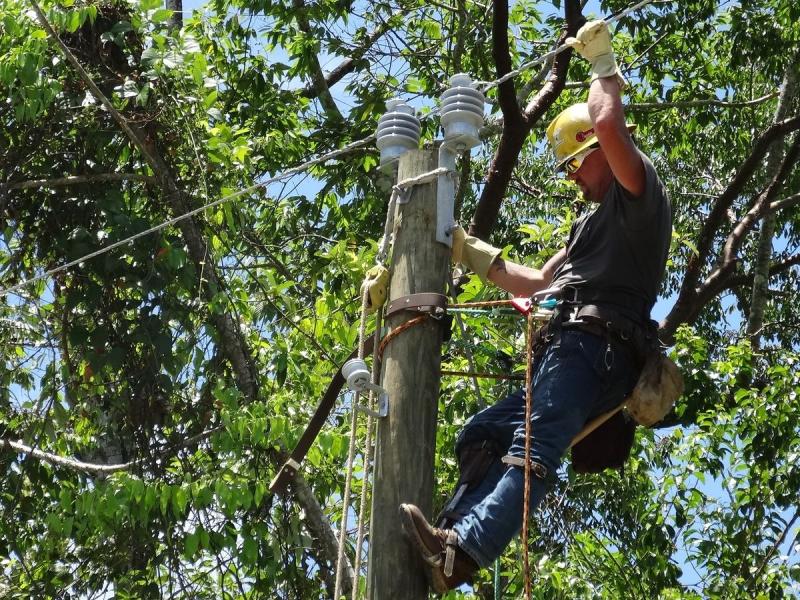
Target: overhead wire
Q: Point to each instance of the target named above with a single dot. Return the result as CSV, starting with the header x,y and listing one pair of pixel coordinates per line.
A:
x,y
547,56
292,171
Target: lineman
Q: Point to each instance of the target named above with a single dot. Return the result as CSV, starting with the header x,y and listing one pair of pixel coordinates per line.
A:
x,y
589,358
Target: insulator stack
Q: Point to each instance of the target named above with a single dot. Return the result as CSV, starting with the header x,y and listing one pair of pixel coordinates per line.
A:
x,y
462,113
398,131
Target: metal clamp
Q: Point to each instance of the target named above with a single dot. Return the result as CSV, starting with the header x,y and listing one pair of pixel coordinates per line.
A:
x,y
358,380
404,194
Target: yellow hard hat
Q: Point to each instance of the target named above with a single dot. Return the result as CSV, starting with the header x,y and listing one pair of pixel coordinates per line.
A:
x,y
572,132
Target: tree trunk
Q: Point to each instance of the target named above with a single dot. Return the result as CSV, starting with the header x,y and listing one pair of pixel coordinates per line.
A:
x,y
760,294
176,6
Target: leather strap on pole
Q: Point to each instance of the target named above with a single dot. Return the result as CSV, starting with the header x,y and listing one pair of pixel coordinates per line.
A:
x,y
434,304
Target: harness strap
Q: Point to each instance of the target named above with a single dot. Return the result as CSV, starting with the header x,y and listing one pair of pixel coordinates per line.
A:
x,y
537,469
433,304
583,296
450,552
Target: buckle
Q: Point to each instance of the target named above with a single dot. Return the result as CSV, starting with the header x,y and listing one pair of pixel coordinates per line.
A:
x,y
569,293
548,294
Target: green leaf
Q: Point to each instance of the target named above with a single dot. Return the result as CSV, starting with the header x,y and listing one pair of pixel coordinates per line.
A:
x,y
250,550
190,545
161,15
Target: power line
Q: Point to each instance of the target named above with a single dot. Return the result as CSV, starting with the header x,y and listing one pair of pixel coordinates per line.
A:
x,y
298,169
293,171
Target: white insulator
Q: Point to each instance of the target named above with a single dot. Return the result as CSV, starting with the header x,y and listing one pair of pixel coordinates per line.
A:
x,y
398,131
356,374
462,113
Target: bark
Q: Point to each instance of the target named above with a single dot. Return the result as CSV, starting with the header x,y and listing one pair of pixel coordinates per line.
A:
x,y
517,124
760,294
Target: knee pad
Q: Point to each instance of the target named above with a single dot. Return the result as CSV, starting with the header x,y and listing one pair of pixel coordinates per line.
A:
x,y
474,460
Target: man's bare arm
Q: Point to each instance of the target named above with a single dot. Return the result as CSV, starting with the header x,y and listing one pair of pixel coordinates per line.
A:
x,y
520,280
608,117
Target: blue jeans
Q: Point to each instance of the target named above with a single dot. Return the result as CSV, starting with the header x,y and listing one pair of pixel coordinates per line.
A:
x,y
577,378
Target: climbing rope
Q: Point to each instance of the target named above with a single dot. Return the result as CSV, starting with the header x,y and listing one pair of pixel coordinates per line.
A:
x,y
369,460
351,454
526,500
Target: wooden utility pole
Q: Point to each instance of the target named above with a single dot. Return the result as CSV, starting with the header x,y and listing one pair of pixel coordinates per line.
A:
x,y
411,366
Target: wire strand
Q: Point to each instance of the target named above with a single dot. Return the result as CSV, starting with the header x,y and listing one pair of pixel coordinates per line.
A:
x,y
294,170
547,56
248,190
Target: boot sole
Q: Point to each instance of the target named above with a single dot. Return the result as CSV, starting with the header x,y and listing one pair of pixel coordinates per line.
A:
x,y
433,574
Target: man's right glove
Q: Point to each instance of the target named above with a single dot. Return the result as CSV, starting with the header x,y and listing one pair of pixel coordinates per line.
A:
x,y
593,42
473,253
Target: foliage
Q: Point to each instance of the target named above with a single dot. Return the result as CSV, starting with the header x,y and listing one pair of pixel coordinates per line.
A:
x,y
124,359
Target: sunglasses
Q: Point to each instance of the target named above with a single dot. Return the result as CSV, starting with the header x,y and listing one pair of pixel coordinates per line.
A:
x,y
574,163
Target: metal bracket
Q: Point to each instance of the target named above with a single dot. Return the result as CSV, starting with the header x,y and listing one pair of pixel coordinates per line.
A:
x,y
404,195
358,377
383,404
445,197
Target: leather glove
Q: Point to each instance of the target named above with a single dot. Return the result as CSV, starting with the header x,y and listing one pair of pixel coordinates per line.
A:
x,y
377,283
473,253
593,42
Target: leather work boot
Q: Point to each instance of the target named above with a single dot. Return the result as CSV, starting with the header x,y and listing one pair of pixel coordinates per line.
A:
x,y
448,566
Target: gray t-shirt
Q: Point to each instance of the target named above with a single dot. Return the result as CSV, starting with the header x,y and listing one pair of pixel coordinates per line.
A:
x,y
621,246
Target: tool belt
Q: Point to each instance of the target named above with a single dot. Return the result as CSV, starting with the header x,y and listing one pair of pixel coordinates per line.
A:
x,y
610,444
659,383
638,339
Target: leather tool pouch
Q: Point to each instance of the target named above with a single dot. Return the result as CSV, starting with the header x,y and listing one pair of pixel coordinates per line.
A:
x,y
607,447
660,384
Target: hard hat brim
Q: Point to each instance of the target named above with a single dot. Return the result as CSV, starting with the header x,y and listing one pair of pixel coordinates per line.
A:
x,y
585,145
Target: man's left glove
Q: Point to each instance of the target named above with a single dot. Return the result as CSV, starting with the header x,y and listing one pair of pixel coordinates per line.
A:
x,y
377,283
593,42
473,253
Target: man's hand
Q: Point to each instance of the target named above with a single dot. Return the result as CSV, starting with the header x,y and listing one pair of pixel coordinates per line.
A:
x,y
473,253
377,282
593,42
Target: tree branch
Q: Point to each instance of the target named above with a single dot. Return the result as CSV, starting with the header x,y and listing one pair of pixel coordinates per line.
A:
x,y
77,465
348,65
787,202
687,305
717,280
513,137
650,106
320,85
502,59
761,205
76,180
774,269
